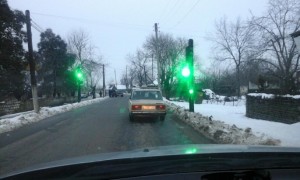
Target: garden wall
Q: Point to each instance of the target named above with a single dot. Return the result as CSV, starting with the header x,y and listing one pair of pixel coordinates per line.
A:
x,y
285,109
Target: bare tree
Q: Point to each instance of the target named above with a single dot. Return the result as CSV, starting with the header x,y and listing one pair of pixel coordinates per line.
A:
x,y
233,43
170,51
140,67
278,48
129,78
79,44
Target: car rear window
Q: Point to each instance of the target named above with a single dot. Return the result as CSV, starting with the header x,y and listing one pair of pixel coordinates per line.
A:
x,y
154,95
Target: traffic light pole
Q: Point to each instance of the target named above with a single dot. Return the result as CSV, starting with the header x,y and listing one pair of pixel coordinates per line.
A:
x,y
79,78
79,92
190,60
104,93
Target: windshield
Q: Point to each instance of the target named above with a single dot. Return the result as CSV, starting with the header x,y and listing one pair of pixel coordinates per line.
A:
x,y
151,95
89,77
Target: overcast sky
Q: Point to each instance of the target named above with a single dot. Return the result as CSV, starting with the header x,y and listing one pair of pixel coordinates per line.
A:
x,y
119,27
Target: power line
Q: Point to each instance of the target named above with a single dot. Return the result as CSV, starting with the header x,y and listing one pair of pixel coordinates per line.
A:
x,y
36,24
177,8
170,11
191,9
56,16
36,28
164,9
136,26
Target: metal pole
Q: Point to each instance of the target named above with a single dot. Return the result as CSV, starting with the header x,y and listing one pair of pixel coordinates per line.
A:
x,y
104,93
157,55
190,59
152,69
126,79
79,91
115,78
145,75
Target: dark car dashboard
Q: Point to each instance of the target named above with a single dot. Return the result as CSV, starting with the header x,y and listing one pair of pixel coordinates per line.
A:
x,y
254,165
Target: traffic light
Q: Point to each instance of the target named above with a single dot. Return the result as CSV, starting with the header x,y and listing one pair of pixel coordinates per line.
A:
x,y
189,55
185,72
79,78
79,75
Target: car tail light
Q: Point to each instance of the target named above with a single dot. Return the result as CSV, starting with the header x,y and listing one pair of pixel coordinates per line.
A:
x,y
136,107
161,107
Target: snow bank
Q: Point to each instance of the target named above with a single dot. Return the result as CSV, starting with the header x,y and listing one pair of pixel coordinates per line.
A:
x,y
9,124
292,96
288,134
263,95
271,96
219,131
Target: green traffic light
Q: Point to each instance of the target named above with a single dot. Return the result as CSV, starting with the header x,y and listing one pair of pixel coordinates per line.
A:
x,y
185,72
79,75
191,91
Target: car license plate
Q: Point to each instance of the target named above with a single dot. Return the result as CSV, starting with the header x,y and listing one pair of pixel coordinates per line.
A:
x,y
148,107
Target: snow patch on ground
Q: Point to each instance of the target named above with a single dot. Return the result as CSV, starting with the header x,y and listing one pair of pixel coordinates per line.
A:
x,y
271,96
263,95
226,124
21,119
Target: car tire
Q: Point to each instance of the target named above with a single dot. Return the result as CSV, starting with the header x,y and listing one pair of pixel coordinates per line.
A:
x,y
162,118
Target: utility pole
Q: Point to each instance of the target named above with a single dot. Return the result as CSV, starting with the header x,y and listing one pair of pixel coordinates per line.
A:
x,y
115,78
126,79
152,69
31,64
103,81
157,55
145,75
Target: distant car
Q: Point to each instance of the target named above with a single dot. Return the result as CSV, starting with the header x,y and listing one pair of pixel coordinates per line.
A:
x,y
230,98
112,93
84,95
120,93
146,102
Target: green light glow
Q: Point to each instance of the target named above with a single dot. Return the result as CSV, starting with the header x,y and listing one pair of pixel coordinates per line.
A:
x,y
191,91
190,151
79,75
122,110
185,72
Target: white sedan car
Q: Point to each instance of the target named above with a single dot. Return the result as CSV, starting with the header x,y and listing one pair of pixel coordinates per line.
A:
x,y
146,103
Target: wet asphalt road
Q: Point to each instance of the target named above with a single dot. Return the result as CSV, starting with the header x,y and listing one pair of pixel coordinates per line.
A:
x,y
97,128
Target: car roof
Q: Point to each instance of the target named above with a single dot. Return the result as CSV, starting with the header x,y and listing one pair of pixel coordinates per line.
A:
x,y
145,90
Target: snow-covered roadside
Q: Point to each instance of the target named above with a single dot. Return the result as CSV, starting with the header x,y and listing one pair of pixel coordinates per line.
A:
x,y
9,124
226,124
